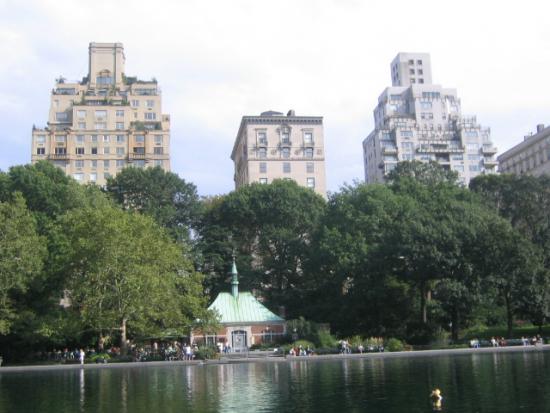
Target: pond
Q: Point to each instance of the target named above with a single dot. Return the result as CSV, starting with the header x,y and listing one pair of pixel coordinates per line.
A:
x,y
488,382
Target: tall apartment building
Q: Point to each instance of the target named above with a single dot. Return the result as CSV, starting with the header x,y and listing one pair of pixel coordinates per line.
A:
x,y
274,146
105,122
418,120
532,156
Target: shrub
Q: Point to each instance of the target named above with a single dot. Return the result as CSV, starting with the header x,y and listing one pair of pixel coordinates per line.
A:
x,y
100,358
394,344
325,340
207,353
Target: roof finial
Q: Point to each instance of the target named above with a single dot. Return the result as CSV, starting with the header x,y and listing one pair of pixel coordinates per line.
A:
x,y
234,279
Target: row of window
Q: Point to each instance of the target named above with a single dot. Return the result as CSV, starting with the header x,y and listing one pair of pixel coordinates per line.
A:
x,y
285,138
310,182
104,151
119,163
310,167
100,138
285,153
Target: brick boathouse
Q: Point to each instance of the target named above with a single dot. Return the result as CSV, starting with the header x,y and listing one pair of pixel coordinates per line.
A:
x,y
244,320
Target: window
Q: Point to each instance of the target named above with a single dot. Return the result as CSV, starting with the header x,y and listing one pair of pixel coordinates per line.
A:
x,y
419,62
411,71
474,157
79,138
40,151
158,139
104,80
310,167
100,113
308,152
310,183
94,138
81,125
106,164
262,152
106,150
139,150
426,105
94,164
431,95
407,146
100,125
150,116
263,167
413,80
426,115
263,180
411,62
140,163
285,138
80,150
395,97
474,168
135,103
120,151
420,72
407,133
158,162
262,138
81,114
119,113
407,157
158,150
458,168
60,138
105,138
79,164
107,175
457,157
308,137
120,139
120,163
40,139
286,167
61,116
140,138
79,176
285,152
119,125
149,103
470,134
60,151
93,177
472,147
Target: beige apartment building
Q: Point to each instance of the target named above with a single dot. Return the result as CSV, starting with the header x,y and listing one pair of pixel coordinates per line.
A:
x,y
416,119
532,156
274,146
105,122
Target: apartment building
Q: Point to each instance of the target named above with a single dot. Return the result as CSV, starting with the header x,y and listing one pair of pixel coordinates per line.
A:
x,y
105,122
532,156
416,119
274,146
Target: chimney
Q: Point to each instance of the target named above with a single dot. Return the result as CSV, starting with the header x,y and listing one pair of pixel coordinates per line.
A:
x,y
540,127
291,113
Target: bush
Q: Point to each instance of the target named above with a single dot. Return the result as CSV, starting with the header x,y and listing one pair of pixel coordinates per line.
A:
x,y
207,353
100,358
325,340
394,344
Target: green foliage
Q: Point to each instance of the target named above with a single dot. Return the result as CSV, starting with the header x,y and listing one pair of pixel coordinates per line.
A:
x,y
207,353
394,344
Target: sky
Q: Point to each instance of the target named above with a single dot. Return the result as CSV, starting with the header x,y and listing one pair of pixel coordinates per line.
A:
x,y
219,60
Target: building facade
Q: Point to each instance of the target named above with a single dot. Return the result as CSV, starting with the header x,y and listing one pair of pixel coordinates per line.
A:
x,y
532,156
274,146
105,122
418,120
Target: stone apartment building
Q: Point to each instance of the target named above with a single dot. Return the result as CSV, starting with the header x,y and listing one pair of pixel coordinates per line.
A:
x,y
416,119
532,156
105,122
274,146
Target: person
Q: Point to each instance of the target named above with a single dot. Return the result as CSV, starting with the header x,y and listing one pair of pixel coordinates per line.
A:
x,y
81,356
360,348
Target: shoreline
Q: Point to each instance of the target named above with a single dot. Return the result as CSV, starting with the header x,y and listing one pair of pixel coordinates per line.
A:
x,y
287,359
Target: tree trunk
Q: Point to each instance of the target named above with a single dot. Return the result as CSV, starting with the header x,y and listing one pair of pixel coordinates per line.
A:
x,y
509,315
123,342
425,297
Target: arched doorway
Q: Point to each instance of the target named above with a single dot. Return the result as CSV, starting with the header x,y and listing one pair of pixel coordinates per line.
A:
x,y
238,341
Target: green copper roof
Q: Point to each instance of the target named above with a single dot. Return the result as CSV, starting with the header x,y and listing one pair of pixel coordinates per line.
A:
x,y
244,308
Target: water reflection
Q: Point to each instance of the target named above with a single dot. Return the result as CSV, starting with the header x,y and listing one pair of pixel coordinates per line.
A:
x,y
478,382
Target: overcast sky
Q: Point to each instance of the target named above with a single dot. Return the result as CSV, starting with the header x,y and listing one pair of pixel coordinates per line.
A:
x,y
219,60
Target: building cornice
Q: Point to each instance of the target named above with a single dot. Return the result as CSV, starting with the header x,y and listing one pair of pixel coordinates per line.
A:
x,y
521,147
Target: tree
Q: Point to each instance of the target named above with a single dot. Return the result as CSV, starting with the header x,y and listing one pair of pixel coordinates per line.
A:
x,y
125,274
169,200
21,256
269,227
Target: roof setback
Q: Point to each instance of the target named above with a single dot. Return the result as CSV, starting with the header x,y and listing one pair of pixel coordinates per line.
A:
x,y
244,308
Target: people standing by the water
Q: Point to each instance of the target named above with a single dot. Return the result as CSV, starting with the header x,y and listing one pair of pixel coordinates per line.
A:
x,y
81,356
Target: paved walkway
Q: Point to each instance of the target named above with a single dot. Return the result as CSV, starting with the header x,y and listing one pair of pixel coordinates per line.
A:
x,y
418,353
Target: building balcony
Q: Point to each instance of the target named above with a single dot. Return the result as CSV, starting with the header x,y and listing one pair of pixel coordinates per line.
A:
x,y
58,156
490,163
133,156
389,151
489,149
